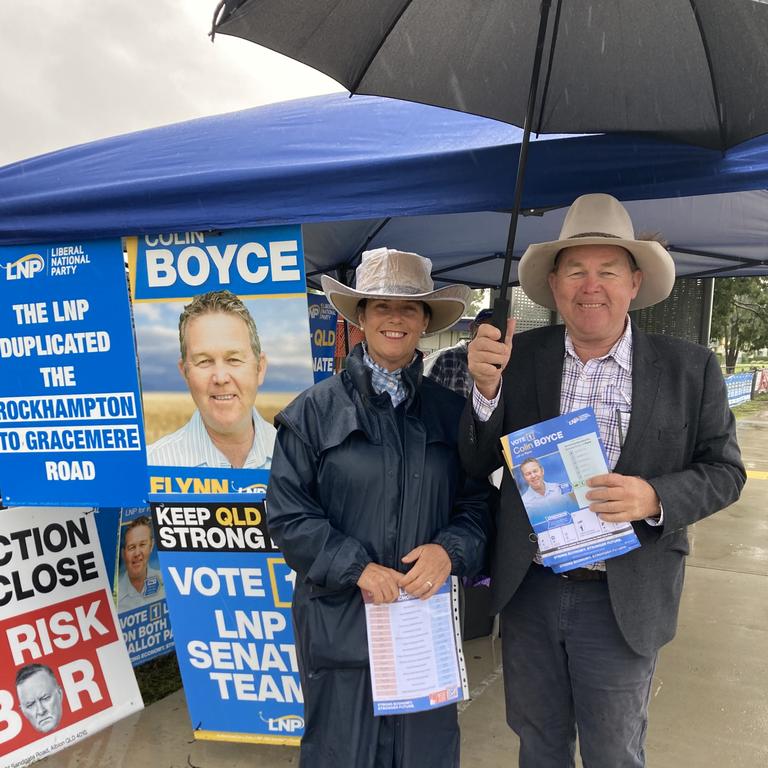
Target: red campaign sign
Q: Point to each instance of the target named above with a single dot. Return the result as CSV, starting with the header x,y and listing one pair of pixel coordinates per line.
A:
x,y
62,681
761,385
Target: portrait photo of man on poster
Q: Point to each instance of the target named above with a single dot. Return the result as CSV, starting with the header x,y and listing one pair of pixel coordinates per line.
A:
x,y
140,581
223,365
222,332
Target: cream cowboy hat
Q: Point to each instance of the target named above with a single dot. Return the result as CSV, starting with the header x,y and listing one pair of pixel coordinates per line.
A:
x,y
598,220
385,273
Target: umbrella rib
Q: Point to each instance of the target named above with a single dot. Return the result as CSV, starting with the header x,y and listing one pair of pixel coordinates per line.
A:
x,y
552,45
376,50
719,112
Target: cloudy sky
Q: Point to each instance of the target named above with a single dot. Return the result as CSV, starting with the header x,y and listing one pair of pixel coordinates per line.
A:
x,y
74,71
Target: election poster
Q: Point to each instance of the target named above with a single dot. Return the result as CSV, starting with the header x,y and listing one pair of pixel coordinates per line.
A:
x,y
551,463
229,591
739,387
322,328
64,669
141,603
71,428
223,339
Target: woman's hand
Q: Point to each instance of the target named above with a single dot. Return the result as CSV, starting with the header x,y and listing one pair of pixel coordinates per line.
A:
x,y
431,569
380,582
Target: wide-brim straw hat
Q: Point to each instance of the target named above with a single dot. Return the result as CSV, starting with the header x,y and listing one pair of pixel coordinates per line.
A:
x,y
385,273
598,219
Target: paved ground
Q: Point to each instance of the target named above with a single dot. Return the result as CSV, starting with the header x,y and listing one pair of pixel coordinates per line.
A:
x,y
710,693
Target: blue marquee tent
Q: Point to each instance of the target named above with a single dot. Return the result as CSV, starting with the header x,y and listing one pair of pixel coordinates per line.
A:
x,y
367,171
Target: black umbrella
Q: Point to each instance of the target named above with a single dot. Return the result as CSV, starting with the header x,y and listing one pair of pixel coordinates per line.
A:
x,y
695,70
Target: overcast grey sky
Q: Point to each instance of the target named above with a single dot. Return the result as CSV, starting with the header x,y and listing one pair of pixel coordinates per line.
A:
x,y
74,71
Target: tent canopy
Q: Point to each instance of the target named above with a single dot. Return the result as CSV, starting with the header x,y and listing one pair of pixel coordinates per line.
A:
x,y
367,171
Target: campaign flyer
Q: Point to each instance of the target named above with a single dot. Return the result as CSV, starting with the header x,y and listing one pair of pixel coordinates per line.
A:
x,y
71,429
229,591
551,463
415,652
64,669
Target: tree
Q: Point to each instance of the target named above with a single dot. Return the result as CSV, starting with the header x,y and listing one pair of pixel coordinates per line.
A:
x,y
740,316
478,301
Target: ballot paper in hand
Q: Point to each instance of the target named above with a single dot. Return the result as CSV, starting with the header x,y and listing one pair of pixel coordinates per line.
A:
x,y
551,463
414,648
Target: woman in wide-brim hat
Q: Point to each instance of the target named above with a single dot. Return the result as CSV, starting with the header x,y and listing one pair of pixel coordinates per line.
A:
x,y
367,497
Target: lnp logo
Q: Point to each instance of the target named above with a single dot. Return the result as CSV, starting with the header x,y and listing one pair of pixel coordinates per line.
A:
x,y
25,267
283,724
314,311
259,489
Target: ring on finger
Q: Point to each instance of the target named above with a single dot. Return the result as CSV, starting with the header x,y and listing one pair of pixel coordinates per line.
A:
x,y
429,584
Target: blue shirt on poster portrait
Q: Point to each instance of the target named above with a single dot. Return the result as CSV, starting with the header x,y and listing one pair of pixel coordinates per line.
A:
x,y
191,446
531,498
128,597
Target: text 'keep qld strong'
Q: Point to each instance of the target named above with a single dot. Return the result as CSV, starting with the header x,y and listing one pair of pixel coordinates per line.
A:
x,y
266,261
212,527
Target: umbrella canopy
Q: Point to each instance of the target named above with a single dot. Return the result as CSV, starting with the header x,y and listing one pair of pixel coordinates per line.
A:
x,y
695,71
357,175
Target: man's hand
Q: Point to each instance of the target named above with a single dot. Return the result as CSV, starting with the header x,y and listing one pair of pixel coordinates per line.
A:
x,y
488,357
621,498
380,583
431,569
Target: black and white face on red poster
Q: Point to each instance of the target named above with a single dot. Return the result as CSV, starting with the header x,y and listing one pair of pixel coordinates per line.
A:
x,y
64,670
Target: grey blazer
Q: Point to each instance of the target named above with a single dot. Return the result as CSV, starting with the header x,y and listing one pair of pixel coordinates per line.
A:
x,y
681,439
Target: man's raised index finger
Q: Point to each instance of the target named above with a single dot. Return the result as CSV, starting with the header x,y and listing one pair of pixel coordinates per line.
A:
x,y
511,323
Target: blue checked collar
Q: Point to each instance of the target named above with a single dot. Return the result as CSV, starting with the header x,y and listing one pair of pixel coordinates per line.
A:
x,y
383,380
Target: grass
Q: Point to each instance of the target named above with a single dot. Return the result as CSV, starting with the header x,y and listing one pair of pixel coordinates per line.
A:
x,y
158,678
752,407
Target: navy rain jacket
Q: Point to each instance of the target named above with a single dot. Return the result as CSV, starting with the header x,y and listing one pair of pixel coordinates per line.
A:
x,y
355,481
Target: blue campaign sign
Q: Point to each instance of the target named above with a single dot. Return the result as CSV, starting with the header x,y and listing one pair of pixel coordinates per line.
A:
x,y
170,482
322,329
141,604
229,592
739,386
223,347
268,261
71,430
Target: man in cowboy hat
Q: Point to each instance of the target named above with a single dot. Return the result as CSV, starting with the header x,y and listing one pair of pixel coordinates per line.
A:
x,y
579,648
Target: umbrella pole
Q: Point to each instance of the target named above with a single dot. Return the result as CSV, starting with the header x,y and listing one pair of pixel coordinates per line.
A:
x,y
501,304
